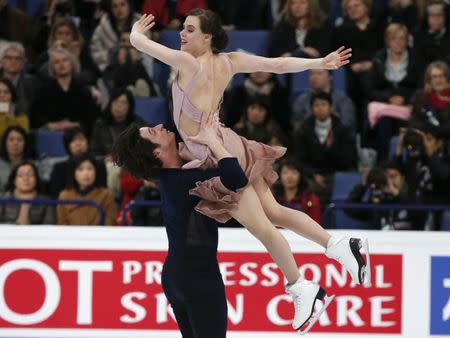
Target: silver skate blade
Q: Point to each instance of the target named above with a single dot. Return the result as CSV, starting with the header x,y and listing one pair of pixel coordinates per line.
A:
x,y
326,302
367,277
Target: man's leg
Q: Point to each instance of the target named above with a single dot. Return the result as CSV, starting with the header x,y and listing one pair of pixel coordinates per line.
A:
x,y
183,320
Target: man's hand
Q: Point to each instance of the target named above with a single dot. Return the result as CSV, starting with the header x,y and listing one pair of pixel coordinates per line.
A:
x,y
208,133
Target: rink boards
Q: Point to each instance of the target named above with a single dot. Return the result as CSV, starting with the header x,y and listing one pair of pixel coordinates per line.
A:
x,y
106,282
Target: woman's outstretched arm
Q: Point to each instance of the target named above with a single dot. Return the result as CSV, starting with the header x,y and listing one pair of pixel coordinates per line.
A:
x,y
174,58
247,63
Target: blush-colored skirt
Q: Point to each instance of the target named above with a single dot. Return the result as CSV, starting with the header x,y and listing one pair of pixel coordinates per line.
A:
x,y
256,160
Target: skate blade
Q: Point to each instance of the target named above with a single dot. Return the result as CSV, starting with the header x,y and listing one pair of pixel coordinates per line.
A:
x,y
326,302
367,275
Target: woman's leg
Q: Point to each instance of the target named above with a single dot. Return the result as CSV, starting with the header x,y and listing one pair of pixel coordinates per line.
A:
x,y
292,219
250,213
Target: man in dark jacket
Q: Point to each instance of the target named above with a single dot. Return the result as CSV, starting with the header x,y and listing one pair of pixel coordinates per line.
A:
x,y
191,277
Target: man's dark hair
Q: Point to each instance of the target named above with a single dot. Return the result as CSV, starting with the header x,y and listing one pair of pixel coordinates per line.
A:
x,y
135,154
320,96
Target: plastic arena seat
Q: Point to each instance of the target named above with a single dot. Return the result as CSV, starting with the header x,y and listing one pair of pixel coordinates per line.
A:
x,y
446,221
49,143
343,184
31,7
153,110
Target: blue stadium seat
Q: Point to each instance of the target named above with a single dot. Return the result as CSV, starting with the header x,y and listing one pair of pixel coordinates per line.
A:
x,y
49,143
343,184
446,221
339,80
392,146
152,109
32,7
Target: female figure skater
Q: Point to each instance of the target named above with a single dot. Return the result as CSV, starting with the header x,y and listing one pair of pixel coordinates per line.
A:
x,y
203,75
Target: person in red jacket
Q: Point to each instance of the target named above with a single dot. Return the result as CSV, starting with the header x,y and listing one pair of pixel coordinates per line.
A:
x,y
294,191
170,14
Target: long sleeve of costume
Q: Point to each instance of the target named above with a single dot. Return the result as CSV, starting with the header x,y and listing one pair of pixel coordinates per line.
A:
x,y
231,173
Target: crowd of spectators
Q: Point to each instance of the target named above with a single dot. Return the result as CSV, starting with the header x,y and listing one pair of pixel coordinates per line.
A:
x,y
69,67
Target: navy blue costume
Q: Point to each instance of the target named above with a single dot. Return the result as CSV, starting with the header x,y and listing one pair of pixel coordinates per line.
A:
x,y
191,277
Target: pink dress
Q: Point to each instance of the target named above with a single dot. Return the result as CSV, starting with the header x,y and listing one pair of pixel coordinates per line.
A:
x,y
255,158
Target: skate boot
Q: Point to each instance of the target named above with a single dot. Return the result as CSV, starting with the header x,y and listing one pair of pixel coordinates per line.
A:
x,y
347,252
304,295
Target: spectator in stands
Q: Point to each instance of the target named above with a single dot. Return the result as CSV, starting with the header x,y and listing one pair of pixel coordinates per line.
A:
x,y
320,80
364,34
83,184
170,14
431,106
55,10
433,38
9,114
118,115
65,34
63,102
405,12
396,73
324,145
76,144
12,62
425,157
14,148
24,183
129,68
15,26
258,84
384,185
303,31
119,18
294,192
257,123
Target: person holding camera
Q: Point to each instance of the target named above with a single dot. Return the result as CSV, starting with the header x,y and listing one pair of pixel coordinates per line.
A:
x,y
383,185
426,160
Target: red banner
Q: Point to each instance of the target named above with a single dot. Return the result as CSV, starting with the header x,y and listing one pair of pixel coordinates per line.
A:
x,y
122,290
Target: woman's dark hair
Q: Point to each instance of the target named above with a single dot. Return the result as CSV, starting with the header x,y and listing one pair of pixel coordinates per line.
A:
x,y
74,163
135,154
131,117
26,149
113,20
10,185
261,101
210,23
69,136
292,163
11,89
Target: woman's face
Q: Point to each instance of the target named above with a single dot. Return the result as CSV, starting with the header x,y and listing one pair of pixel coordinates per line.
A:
x,y
61,65
79,145
438,81
398,42
120,9
25,181
120,107
15,144
436,20
5,94
85,174
356,10
299,8
64,34
193,40
256,114
290,177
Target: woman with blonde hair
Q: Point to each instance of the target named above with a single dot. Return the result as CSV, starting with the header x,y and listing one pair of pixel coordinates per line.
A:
x,y
303,31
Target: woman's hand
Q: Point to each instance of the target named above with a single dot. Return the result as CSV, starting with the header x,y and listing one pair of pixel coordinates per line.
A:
x,y
208,133
144,24
338,58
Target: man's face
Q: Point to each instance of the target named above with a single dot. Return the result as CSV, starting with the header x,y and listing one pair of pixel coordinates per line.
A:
x,y
321,109
12,61
319,79
165,140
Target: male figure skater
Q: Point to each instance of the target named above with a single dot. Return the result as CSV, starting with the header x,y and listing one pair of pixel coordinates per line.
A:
x,y
191,277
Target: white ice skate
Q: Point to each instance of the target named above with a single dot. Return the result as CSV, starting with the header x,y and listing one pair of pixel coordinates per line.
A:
x,y
304,294
347,252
